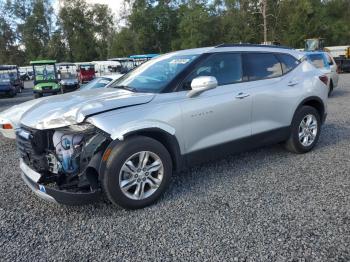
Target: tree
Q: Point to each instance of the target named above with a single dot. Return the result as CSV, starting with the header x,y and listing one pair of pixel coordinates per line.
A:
x,y
194,28
102,20
36,29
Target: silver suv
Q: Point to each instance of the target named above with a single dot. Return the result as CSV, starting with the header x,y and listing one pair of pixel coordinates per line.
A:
x,y
174,111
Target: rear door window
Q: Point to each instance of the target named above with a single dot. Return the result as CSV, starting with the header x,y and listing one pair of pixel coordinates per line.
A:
x,y
288,62
257,66
317,60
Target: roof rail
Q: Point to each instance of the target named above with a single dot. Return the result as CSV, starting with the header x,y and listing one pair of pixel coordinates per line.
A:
x,y
253,45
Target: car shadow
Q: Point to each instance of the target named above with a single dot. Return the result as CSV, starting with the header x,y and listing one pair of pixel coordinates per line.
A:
x,y
338,92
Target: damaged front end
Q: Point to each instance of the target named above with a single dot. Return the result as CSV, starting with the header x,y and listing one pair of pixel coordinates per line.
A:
x,y
62,165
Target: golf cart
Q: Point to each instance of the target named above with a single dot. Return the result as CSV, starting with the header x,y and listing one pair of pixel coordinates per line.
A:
x,y
10,81
140,59
67,75
86,72
125,65
45,78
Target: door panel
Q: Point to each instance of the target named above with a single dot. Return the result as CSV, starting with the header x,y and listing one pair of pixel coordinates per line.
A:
x,y
273,102
216,117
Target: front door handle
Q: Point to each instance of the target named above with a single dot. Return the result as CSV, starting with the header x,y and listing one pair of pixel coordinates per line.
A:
x,y
293,83
242,95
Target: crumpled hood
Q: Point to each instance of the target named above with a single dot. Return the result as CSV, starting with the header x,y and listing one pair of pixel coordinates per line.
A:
x,y
72,108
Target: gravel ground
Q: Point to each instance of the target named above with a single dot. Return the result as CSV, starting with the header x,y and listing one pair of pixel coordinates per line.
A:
x,y
263,205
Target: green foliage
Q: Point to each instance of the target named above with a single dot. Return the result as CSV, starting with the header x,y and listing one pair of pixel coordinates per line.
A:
x,y
30,30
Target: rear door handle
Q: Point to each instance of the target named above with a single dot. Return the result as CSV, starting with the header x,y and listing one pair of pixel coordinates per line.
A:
x,y
242,95
293,83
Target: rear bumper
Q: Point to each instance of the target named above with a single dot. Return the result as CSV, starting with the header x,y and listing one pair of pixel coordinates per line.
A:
x,y
31,178
69,87
6,90
9,133
47,91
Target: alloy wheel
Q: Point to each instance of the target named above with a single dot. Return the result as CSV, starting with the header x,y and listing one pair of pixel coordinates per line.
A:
x,y
308,129
141,175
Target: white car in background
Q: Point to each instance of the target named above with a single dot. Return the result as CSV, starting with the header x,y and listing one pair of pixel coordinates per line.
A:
x,y
326,63
9,119
101,82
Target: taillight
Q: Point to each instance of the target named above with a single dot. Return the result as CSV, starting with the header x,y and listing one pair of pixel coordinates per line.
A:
x,y
324,79
7,126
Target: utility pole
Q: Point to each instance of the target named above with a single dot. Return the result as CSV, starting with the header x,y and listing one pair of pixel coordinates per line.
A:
x,y
263,12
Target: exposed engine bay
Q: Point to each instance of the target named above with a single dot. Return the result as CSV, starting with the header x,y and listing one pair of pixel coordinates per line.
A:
x,y
67,158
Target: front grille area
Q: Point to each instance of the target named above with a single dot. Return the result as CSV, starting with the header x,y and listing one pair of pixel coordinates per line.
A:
x,y
31,145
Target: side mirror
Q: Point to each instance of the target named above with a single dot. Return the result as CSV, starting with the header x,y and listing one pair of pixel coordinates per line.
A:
x,y
201,84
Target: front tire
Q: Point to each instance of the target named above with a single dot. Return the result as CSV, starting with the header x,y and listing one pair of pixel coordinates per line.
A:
x,y
305,130
137,172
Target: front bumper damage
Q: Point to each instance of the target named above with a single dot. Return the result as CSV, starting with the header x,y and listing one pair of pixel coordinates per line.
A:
x,y
32,178
55,176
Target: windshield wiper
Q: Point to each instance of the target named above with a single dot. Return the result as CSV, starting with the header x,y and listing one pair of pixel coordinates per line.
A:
x,y
126,88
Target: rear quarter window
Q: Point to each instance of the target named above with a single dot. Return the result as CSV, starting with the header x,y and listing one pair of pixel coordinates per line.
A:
x,y
317,60
258,66
288,62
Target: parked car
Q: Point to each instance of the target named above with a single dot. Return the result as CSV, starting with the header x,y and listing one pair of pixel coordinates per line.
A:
x,y
45,78
171,112
68,78
100,82
10,118
10,80
326,63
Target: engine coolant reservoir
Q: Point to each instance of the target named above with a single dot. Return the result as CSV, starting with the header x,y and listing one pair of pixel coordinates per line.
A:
x,y
67,150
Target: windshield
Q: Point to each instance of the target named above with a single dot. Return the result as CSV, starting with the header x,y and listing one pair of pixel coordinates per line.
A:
x,y
6,76
87,67
44,72
155,74
68,73
99,82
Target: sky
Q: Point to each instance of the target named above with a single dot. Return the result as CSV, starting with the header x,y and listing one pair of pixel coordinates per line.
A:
x,y
115,5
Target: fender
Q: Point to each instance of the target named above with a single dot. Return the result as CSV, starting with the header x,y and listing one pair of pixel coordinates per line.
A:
x,y
166,138
120,132
316,102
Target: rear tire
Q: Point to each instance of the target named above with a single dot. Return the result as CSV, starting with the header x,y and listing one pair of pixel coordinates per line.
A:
x,y
12,93
133,183
305,130
331,87
38,95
